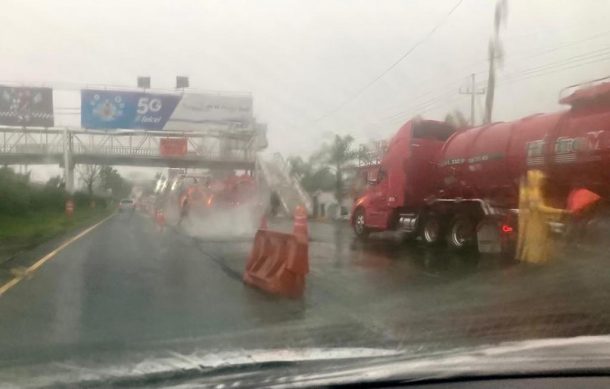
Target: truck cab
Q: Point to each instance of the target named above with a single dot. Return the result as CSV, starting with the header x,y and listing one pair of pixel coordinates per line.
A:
x,y
405,177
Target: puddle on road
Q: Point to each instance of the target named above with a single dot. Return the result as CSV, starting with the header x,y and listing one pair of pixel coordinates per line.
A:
x,y
385,252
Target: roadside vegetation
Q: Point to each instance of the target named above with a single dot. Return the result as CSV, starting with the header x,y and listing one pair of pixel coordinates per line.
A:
x,y
32,213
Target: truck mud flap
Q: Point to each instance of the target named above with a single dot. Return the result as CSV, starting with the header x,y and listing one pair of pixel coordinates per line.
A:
x,y
488,238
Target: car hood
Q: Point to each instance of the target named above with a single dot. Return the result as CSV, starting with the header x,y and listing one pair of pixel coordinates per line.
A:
x,y
313,367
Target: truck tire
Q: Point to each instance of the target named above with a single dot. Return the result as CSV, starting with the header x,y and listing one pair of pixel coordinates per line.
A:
x,y
432,230
360,229
462,233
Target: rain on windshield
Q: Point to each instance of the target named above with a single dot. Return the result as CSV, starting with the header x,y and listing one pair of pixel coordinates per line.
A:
x,y
204,177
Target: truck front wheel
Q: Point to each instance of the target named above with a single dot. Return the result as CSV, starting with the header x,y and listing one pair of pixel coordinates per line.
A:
x,y
360,228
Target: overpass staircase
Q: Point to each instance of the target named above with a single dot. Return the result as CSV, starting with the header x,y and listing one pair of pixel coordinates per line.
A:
x,y
276,176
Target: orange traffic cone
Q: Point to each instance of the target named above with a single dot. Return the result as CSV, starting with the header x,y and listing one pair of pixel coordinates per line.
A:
x,y
300,223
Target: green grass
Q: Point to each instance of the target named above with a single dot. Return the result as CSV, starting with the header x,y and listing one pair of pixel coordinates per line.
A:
x,y
22,232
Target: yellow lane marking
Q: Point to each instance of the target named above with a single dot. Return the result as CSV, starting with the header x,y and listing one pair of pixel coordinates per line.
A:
x,y
4,288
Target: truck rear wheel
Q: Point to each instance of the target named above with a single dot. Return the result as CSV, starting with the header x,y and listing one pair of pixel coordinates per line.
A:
x,y
432,229
360,228
462,233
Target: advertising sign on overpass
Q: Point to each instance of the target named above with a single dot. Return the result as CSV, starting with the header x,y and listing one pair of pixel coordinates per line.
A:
x,y
195,110
103,109
107,109
27,107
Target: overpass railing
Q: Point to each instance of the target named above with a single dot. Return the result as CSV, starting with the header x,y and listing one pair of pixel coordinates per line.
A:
x,y
137,144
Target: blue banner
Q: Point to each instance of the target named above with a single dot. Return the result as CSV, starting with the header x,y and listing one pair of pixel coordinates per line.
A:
x,y
103,109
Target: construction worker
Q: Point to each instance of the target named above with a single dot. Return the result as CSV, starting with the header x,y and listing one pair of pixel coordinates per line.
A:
x,y
274,203
534,244
184,208
160,219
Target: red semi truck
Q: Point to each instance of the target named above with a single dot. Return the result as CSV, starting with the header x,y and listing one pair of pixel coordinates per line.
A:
x,y
462,186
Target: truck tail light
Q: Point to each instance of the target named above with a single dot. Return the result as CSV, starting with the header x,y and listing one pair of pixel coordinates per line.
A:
x,y
507,229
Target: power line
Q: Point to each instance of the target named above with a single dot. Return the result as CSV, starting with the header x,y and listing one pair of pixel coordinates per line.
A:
x,y
559,69
418,107
430,92
563,46
392,66
556,67
591,57
446,90
577,58
539,53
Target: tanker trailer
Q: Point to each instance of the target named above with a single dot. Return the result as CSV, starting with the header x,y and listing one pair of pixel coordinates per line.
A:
x,y
465,192
479,169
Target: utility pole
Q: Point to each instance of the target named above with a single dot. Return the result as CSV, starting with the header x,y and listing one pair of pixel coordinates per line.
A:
x,y
495,57
491,84
472,91
68,166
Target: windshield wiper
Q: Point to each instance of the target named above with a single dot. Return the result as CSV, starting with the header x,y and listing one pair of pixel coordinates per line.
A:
x,y
174,377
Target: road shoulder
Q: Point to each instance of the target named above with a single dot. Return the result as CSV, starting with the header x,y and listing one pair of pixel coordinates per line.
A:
x,y
18,263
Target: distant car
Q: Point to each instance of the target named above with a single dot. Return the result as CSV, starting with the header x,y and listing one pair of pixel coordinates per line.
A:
x,y
126,205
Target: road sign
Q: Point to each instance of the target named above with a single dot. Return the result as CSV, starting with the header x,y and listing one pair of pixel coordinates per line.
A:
x,y
102,109
27,107
173,147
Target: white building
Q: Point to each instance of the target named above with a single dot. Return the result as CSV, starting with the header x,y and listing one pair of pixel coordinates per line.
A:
x,y
325,206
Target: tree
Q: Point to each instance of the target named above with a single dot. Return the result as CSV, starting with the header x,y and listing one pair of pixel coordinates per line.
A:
x,y
338,156
310,176
299,168
15,192
110,179
89,175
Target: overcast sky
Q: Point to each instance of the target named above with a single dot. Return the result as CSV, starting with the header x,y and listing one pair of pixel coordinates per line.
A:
x,y
306,62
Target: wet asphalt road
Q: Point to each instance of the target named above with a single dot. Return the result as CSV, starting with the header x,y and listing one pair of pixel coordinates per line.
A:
x,y
126,287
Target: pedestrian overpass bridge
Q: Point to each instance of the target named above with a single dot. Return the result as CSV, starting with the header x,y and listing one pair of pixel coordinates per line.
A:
x,y
213,149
